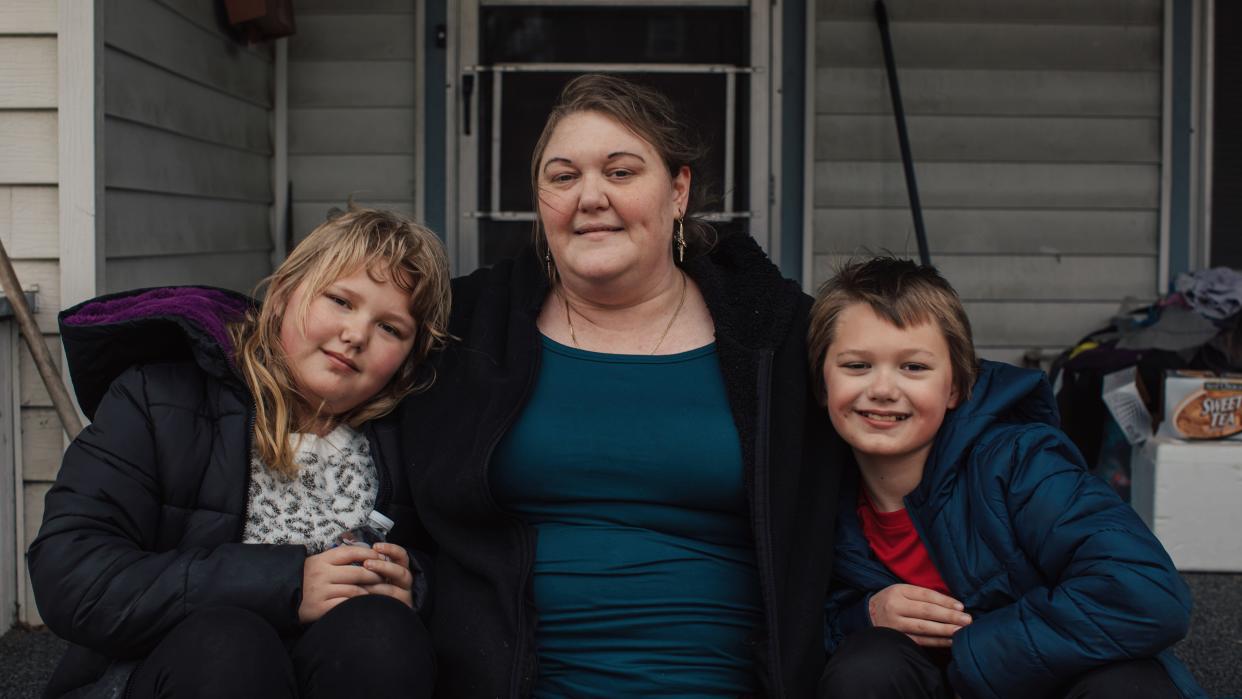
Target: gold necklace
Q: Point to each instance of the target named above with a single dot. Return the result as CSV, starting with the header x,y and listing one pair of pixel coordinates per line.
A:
x,y
676,312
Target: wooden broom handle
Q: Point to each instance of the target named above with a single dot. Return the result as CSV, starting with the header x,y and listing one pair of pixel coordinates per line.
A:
x,y
34,340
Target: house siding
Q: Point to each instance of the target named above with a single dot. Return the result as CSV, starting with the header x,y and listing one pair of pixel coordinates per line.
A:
x,y
188,145
1035,129
29,229
352,108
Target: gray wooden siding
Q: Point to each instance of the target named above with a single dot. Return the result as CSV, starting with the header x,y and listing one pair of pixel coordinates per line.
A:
x,y
29,229
188,147
351,107
1035,126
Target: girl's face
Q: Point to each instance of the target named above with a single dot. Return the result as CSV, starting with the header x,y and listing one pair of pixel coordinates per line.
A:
x,y
888,387
357,333
607,201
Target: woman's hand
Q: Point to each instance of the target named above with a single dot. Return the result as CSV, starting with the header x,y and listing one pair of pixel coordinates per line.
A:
x,y
394,567
929,618
332,577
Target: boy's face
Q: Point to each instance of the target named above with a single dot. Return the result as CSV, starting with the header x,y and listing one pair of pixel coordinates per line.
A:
x,y
888,388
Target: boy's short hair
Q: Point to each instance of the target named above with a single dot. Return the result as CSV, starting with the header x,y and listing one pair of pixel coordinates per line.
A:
x,y
904,293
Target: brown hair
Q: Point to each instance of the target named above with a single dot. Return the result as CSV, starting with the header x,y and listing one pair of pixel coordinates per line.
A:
x,y
904,293
651,116
393,249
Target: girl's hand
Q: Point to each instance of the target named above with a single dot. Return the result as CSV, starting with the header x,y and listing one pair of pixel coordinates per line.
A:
x,y
331,577
926,616
394,567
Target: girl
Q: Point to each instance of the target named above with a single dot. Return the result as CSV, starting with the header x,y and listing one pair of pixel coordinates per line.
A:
x,y
187,547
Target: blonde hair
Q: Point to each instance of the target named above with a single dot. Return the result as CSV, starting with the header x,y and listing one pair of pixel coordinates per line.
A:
x,y
392,248
904,293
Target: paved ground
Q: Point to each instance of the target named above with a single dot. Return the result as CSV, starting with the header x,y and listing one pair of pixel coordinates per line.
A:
x,y
1212,650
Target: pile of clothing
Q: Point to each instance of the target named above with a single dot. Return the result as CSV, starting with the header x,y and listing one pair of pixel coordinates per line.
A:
x,y
1197,326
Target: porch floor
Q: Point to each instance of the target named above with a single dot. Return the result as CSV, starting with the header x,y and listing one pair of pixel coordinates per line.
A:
x,y
1212,649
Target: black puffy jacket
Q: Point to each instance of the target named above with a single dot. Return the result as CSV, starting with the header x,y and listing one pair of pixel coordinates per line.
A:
x,y
144,524
484,621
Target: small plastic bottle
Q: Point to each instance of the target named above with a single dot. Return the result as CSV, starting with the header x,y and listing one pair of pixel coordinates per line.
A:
x,y
374,531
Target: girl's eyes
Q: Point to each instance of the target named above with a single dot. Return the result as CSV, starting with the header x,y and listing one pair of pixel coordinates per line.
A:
x,y
914,366
391,330
855,366
337,300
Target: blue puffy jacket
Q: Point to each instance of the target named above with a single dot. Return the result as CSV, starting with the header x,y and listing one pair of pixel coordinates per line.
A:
x,y
1058,573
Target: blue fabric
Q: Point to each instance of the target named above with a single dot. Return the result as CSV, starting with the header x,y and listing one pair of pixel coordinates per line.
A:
x,y
1058,573
630,471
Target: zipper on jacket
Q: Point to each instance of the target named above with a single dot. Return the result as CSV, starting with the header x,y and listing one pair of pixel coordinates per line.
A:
x,y
520,683
762,525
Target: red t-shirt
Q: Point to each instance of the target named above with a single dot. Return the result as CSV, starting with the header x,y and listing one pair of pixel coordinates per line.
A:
x,y
896,542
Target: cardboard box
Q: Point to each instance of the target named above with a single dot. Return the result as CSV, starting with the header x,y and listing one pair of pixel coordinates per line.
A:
x,y
1202,406
1189,494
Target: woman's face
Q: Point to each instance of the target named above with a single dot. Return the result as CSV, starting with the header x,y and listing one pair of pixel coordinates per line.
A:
x,y
607,201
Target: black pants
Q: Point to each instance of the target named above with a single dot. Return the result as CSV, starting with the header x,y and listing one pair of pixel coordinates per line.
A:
x,y
369,646
882,663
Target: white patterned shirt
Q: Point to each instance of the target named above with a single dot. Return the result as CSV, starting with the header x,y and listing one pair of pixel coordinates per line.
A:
x,y
334,491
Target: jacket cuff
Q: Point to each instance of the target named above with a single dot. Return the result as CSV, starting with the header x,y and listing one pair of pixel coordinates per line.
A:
x,y
421,566
855,617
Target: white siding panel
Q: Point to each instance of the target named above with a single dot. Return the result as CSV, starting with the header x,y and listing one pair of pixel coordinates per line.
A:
x,y
33,392
177,165
43,443
44,274
309,214
157,34
990,139
351,84
33,496
147,223
1125,12
990,185
29,222
351,131
988,231
1036,324
353,38
998,46
336,177
28,147
141,92
29,16
237,271
1037,278
27,72
841,90
337,7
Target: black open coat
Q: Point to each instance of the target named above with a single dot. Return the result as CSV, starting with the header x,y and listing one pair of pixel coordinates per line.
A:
x,y
144,524
484,621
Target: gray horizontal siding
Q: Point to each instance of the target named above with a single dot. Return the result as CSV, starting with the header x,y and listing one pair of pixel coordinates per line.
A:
x,y
351,108
1035,128
188,148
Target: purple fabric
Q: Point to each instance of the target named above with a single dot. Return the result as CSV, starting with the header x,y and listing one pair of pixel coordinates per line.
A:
x,y
209,309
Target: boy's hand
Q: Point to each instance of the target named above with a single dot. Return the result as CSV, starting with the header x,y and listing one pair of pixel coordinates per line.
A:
x,y
331,577
929,618
394,567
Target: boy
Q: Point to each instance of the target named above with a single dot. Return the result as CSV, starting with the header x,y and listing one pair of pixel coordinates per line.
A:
x,y
975,556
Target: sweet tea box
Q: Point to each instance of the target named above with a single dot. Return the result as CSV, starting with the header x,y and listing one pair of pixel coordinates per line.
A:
x,y
1202,405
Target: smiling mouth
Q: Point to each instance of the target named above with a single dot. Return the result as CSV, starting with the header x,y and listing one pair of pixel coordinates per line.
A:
x,y
884,417
342,359
596,228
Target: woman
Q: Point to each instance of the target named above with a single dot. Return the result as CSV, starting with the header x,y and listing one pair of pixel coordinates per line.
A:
x,y
621,462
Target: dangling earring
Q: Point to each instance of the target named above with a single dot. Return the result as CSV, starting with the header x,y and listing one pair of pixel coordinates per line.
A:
x,y
679,239
547,261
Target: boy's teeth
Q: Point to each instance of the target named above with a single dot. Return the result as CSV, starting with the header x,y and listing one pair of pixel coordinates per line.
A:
x,y
887,418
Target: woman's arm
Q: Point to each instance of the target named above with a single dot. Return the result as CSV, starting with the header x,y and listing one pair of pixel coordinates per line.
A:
x,y
1110,593
97,577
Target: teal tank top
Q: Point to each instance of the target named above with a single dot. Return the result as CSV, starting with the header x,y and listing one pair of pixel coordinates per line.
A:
x,y
629,469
